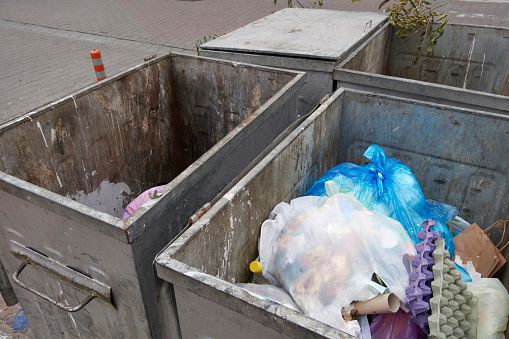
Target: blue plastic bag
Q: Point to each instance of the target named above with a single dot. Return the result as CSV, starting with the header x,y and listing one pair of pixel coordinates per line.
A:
x,y
442,211
388,187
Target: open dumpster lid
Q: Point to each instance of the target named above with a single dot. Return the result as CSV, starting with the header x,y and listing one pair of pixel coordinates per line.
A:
x,y
300,32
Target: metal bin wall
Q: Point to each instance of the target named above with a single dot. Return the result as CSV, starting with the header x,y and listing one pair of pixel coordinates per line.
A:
x,y
469,67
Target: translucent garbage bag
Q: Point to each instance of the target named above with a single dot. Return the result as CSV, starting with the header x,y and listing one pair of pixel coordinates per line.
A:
x,y
273,293
324,254
442,211
388,187
492,307
139,201
457,225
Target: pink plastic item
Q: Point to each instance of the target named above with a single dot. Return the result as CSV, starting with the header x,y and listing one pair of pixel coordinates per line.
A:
x,y
139,201
395,325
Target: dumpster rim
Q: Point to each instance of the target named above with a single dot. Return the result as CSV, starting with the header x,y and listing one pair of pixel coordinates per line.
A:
x,y
175,271
405,86
93,86
193,280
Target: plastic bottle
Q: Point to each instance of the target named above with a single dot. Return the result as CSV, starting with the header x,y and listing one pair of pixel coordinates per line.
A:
x,y
256,268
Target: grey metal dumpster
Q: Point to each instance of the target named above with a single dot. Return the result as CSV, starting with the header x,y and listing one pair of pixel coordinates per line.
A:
x,y
310,40
458,156
469,67
68,169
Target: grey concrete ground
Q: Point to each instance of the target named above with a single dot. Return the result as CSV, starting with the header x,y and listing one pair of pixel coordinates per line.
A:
x,y
45,44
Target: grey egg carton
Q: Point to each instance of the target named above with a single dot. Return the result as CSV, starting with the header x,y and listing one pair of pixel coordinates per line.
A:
x,y
453,307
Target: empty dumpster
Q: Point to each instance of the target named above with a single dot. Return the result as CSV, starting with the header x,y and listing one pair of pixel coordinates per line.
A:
x,y
68,169
310,40
457,155
469,67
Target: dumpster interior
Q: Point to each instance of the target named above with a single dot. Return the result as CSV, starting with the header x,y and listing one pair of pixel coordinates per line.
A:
x,y
466,56
466,180
434,141
107,144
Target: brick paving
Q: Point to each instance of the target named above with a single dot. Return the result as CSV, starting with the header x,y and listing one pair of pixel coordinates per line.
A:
x,y
7,315
39,65
44,45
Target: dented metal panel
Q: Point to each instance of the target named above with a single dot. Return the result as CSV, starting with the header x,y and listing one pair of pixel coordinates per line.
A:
x,y
457,155
68,169
485,68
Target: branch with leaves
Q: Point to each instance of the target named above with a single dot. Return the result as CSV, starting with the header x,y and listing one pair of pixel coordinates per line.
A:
x,y
413,17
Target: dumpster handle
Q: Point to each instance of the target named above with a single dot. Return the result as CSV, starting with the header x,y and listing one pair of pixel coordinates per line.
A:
x,y
66,274
46,297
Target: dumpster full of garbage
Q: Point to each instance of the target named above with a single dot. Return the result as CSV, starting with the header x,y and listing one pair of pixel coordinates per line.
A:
x,y
310,247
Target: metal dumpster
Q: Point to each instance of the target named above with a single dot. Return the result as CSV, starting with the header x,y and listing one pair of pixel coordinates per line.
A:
x,y
310,40
69,168
469,67
458,156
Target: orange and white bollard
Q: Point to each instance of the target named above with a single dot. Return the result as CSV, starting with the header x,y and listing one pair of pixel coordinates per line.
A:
x,y
98,64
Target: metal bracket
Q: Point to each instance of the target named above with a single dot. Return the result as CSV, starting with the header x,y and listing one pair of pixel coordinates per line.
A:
x,y
194,218
58,271
370,23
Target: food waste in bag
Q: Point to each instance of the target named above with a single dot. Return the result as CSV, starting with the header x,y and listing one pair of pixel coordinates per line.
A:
x,y
324,253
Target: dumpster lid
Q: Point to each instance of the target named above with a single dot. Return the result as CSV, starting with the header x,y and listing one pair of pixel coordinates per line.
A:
x,y
300,32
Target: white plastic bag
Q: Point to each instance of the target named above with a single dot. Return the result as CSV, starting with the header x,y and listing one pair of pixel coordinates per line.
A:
x,y
272,293
325,255
492,307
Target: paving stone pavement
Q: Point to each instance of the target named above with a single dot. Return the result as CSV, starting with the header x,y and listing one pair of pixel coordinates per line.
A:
x,y
44,45
7,315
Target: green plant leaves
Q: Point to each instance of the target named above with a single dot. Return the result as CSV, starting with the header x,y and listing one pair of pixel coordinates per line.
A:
x,y
417,16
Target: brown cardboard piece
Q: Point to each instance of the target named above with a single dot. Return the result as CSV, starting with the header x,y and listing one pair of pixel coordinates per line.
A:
x,y
499,265
474,245
383,303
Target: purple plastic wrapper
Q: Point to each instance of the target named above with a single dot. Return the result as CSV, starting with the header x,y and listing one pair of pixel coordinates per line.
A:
x,y
395,325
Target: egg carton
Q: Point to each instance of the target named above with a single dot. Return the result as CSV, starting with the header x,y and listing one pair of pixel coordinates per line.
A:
x,y
453,307
419,291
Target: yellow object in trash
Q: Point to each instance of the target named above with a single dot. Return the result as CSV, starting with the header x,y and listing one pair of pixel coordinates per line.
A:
x,y
255,266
